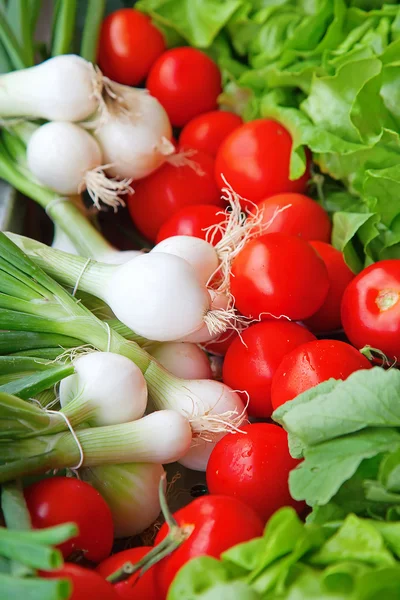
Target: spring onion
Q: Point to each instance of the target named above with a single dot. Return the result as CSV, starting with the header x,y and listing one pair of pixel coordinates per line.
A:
x,y
182,359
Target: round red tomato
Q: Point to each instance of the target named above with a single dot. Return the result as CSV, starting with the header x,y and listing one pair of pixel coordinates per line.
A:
x,y
303,216
216,523
135,587
279,274
85,583
129,45
254,467
207,131
160,195
255,159
328,318
186,82
220,345
59,500
310,364
194,221
371,308
250,362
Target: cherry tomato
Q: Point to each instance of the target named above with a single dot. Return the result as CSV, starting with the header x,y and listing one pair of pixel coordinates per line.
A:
x,y
250,362
279,274
254,467
208,131
255,161
129,45
193,220
59,500
134,588
85,583
303,217
328,318
186,82
160,195
220,345
217,523
371,308
311,364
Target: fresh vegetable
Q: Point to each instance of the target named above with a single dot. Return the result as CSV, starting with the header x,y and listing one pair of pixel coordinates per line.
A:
x,y
312,363
251,360
170,188
243,156
371,308
186,82
207,131
129,44
277,275
84,582
328,317
253,466
219,346
64,499
195,221
182,359
135,587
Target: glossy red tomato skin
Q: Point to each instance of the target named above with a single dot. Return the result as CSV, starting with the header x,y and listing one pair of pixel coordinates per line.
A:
x,y
85,582
303,217
279,274
219,523
160,195
193,220
250,364
134,588
186,82
207,131
254,467
59,500
312,363
328,317
371,308
220,345
255,159
129,45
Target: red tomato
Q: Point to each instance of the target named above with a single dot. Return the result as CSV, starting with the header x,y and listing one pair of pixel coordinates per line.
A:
x,y
186,82
170,188
371,308
86,584
327,318
254,467
218,523
303,217
129,45
255,161
220,345
208,131
66,500
279,274
193,220
250,364
310,364
134,588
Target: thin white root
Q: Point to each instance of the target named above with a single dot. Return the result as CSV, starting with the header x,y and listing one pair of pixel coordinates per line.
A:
x,y
71,354
219,320
105,189
183,159
209,424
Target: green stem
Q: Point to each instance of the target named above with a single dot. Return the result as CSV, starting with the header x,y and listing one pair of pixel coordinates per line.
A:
x,y
15,512
91,30
29,386
20,341
11,44
34,11
64,27
19,19
34,588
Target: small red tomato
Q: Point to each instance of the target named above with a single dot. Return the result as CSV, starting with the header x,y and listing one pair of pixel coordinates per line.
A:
x,y
85,583
279,274
186,82
216,523
58,500
207,131
371,308
250,362
193,220
303,216
129,45
160,195
255,160
254,467
134,588
328,318
310,364
220,345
